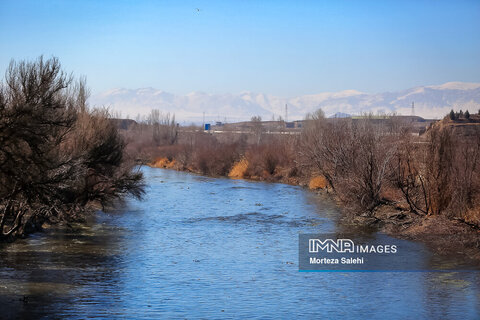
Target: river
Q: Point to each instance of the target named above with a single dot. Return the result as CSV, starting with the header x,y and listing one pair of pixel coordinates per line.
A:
x,y
199,247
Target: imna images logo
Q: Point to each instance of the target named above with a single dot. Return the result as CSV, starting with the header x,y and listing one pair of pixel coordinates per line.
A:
x,y
347,246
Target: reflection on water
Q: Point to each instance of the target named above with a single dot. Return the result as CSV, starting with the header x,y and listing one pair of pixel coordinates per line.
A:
x,y
198,247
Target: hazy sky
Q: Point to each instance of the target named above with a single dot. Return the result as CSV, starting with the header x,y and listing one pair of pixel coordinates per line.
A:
x,y
285,48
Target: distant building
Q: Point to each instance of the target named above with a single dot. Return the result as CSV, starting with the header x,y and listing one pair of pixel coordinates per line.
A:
x,y
298,123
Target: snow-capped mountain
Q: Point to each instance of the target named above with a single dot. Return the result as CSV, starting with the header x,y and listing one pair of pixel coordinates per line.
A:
x,y
430,102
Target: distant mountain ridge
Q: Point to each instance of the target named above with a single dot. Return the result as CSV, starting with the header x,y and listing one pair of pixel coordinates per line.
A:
x,y
430,102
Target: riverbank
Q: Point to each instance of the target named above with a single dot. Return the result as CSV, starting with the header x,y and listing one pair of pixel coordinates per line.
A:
x,y
444,236
194,243
441,234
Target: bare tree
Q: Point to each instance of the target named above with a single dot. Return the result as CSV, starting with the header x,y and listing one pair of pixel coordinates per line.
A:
x,y
257,128
46,153
36,115
466,175
425,171
325,145
164,128
354,157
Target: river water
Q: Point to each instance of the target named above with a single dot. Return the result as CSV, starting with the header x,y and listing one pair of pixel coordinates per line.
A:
x,y
198,247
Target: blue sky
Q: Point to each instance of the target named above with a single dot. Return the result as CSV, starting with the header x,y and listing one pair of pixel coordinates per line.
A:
x,y
286,48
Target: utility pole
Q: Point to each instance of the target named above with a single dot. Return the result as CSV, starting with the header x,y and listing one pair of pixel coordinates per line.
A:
x,y
413,108
203,125
286,113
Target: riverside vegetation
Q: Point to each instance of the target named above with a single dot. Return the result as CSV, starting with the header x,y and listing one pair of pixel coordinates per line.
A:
x,y
381,172
365,163
58,159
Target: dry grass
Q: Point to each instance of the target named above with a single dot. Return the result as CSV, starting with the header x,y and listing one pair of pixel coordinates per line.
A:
x,y
163,163
317,182
472,216
239,169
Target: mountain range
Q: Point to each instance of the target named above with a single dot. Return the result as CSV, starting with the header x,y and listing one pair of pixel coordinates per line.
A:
x,y
431,102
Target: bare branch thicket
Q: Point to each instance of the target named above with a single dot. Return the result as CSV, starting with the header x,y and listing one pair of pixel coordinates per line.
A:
x,y
439,174
275,152
368,163
466,176
324,145
49,148
354,156
213,157
36,117
407,175
108,171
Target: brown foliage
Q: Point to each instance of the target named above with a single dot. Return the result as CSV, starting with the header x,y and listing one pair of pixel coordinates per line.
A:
x,y
367,161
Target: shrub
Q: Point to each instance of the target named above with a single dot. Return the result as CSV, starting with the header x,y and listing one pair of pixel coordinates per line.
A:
x,y
212,157
56,156
353,157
